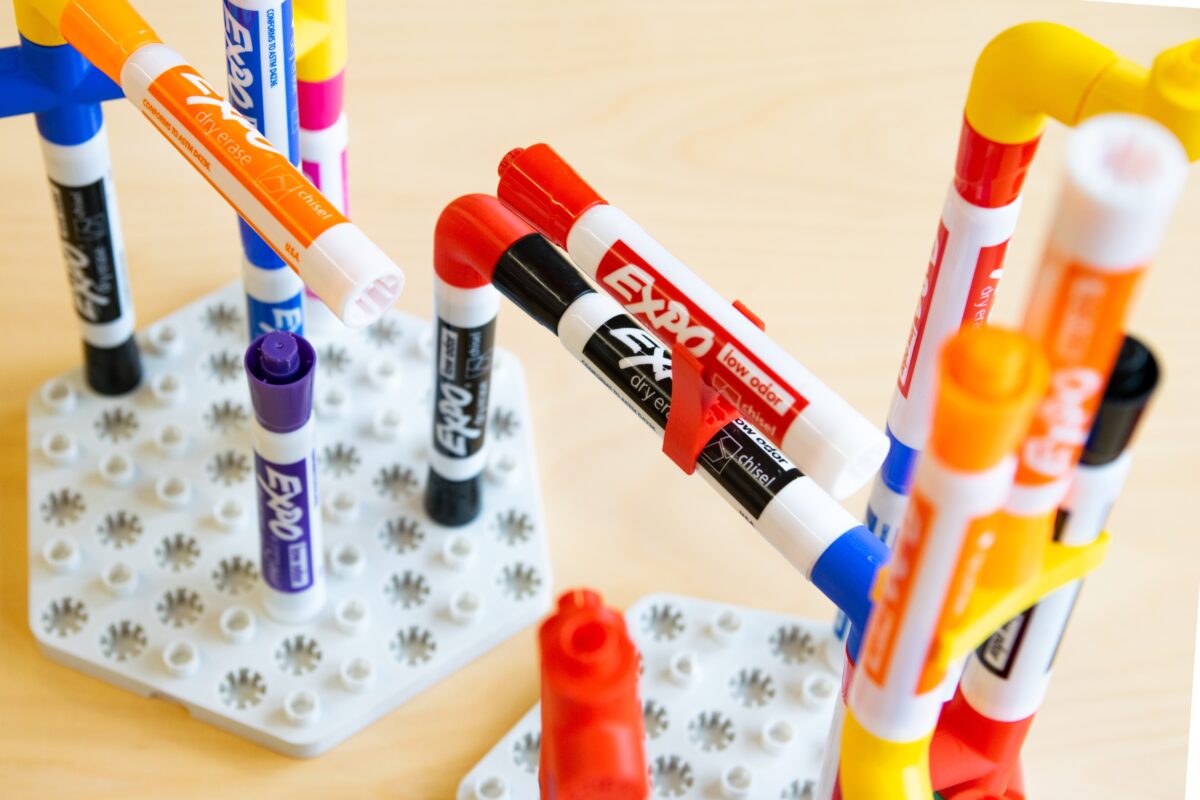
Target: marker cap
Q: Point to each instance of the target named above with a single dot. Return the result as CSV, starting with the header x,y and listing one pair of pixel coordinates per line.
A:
x,y
107,32
991,379
1130,386
1124,176
542,189
113,370
453,503
280,367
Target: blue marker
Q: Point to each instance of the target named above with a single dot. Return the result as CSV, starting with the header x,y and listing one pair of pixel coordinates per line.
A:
x,y
280,369
260,61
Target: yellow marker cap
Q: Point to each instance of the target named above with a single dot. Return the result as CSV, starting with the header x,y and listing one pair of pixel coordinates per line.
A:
x,y
39,20
991,379
321,42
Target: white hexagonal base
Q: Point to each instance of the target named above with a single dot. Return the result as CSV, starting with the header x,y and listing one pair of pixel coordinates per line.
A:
x,y
143,541
746,716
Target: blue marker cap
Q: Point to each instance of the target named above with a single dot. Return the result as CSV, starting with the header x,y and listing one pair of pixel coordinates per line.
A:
x,y
280,367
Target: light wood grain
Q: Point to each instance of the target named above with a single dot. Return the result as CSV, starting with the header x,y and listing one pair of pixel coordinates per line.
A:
x,y
796,155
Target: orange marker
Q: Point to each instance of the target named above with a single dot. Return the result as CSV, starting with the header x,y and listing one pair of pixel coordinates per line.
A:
x,y
333,257
990,380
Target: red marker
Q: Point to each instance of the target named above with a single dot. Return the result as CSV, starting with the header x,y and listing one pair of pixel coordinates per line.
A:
x,y
807,420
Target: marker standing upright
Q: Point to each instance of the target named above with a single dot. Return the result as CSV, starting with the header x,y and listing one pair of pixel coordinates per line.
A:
x,y
990,380
466,305
79,169
807,420
280,367
260,60
1005,682
321,70
801,521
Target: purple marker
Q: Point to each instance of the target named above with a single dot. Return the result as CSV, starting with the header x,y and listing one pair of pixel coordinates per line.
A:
x,y
280,368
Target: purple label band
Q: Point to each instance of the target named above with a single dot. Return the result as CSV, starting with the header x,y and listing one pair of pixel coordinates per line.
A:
x,y
321,102
283,517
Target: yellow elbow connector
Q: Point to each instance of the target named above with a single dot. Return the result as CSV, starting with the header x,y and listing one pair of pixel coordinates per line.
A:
x,y
40,21
1039,69
877,769
321,41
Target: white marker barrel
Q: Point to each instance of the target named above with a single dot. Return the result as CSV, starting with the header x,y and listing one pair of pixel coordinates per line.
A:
x,y
464,344
260,60
81,185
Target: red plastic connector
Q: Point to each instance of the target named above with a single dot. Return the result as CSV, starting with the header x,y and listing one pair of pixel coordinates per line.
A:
x,y
973,757
697,411
593,745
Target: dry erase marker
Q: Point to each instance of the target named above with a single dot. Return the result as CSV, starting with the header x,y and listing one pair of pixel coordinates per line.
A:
x,y
466,305
80,173
333,257
1124,175
807,526
965,266
989,382
813,426
260,63
280,369
1005,682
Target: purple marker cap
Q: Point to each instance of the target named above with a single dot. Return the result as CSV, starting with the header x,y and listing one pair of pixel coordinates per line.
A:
x,y
280,367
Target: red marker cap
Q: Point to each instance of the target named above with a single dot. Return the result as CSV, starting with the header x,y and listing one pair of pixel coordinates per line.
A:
x,y
542,189
471,235
592,737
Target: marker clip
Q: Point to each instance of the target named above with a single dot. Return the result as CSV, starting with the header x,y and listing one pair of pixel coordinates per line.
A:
x,y
697,411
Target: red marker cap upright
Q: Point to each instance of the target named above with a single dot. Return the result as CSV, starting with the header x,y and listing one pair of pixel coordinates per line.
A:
x,y
593,746
542,189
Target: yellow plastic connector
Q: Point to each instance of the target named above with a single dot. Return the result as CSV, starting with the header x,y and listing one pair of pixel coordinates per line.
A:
x,y
40,21
321,42
1039,69
879,769
991,607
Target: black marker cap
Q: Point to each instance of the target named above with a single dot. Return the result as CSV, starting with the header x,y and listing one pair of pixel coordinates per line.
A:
x,y
1130,386
453,503
113,370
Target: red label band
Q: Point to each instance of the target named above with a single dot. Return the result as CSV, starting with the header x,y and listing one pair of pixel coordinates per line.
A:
x,y
917,334
765,400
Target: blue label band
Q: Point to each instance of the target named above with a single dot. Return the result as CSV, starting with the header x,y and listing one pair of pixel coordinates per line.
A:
x,y
287,315
284,507
898,467
846,571
260,56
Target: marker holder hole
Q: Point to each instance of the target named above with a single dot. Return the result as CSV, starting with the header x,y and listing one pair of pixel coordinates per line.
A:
x,y
347,560
302,707
58,396
120,578
181,658
237,625
230,514
352,615
167,388
61,555
173,491
357,674
60,447
117,469
171,440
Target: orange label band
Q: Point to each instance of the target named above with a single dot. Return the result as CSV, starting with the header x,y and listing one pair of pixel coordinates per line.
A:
x,y
892,604
196,114
1080,323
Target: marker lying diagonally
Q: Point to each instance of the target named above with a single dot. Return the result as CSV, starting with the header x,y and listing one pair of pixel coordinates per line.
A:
x,y
807,526
333,257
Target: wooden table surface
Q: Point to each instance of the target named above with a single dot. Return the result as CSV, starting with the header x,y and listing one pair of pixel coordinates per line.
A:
x,y
795,154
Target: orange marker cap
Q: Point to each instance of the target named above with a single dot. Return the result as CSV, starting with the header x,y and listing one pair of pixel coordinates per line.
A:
x,y
106,32
991,379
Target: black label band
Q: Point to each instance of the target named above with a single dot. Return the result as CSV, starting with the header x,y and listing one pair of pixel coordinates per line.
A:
x,y
464,376
85,227
999,652
539,280
638,367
